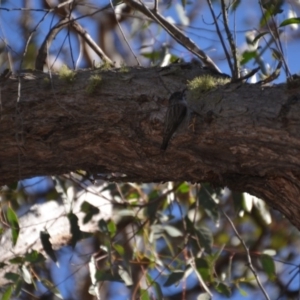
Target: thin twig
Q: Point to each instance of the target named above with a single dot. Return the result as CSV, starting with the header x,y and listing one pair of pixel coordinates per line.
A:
x,y
278,44
42,55
236,71
124,37
250,265
220,36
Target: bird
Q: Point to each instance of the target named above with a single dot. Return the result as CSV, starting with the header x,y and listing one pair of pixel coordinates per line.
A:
x,y
176,113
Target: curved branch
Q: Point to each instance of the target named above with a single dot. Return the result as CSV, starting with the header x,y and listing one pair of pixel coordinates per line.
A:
x,y
43,51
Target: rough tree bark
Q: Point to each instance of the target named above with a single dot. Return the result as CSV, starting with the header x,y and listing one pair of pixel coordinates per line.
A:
x,y
243,136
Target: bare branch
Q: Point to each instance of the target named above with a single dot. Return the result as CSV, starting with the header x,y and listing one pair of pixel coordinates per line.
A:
x,y
236,71
176,33
250,265
43,52
276,41
220,36
124,37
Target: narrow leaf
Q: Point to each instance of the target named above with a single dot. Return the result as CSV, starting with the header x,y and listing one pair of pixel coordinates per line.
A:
x,y
206,239
259,36
74,228
14,223
7,294
104,276
47,246
112,228
103,226
174,278
268,266
172,231
11,276
223,289
203,268
145,295
157,288
34,257
290,21
26,275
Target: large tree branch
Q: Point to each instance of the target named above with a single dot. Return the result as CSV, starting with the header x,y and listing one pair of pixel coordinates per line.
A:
x,y
246,136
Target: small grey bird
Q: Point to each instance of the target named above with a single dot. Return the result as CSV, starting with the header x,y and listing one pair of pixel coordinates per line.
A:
x,y
176,113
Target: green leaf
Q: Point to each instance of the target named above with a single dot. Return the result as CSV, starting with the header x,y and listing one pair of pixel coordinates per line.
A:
x,y
74,229
17,260
34,257
290,21
145,295
12,276
223,289
184,188
209,205
247,56
203,269
238,201
153,205
112,228
268,266
14,223
119,249
174,277
103,226
18,287
154,56
156,286
104,276
7,294
242,292
273,7
47,246
205,238
212,258
89,210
